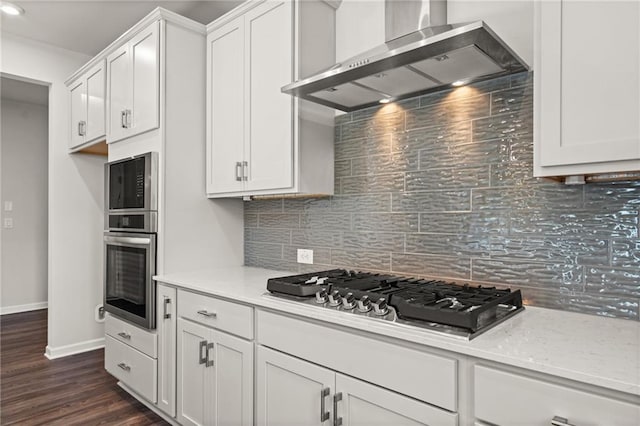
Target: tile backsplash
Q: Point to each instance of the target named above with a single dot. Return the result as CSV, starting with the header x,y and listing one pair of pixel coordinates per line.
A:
x,y
441,186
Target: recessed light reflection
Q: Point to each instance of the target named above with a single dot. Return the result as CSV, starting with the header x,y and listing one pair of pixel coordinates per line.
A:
x,y
11,9
459,83
385,100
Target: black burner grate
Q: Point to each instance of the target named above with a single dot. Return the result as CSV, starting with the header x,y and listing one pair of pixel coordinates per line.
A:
x,y
467,306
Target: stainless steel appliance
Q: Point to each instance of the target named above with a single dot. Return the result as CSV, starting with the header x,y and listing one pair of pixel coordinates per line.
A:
x,y
130,263
131,195
131,200
458,310
422,54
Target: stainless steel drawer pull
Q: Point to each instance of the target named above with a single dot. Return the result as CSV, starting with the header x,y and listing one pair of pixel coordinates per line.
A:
x,y
202,354
167,301
209,362
337,421
324,415
238,171
560,421
124,335
124,366
208,314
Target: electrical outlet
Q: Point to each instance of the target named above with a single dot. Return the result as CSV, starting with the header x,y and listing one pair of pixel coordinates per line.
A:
x,y
8,206
305,256
8,222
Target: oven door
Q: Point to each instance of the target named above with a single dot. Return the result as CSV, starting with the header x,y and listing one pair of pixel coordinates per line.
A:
x,y
130,263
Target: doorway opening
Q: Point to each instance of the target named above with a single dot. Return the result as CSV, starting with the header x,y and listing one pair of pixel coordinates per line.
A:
x,y
24,158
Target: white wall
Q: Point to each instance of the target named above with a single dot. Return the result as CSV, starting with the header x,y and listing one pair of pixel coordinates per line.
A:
x,y
23,142
75,203
360,23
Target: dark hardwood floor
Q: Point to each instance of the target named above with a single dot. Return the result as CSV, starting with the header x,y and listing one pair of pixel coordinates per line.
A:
x,y
75,390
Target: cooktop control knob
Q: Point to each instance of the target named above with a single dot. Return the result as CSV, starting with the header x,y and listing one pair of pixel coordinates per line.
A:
x,y
380,307
322,296
364,304
349,301
334,298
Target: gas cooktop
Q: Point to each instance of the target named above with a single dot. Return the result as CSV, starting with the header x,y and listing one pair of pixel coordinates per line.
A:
x,y
459,310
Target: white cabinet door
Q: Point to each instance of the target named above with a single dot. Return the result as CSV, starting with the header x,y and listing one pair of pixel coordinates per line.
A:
x,y
290,391
225,101
193,377
587,84
166,329
78,112
268,111
363,404
232,397
95,127
133,86
118,93
145,76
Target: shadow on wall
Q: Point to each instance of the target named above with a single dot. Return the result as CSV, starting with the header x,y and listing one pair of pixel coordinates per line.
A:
x,y
442,186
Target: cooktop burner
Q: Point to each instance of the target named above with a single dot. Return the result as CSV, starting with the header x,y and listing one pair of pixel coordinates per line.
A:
x,y
462,310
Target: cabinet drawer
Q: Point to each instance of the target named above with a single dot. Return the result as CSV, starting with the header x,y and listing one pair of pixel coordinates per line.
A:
x,y
131,367
227,316
424,376
143,340
503,398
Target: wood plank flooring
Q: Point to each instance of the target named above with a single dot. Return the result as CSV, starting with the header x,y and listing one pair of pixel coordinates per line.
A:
x,y
75,390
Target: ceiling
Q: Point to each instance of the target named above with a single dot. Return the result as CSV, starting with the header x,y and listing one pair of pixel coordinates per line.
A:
x,y
16,90
88,26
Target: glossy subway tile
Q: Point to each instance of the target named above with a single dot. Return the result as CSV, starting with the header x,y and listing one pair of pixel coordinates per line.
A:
x,y
441,186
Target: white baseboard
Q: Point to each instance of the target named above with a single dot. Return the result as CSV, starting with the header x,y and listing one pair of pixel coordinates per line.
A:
x,y
76,348
5,310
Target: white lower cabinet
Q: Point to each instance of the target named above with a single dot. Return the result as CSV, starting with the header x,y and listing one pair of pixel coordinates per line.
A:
x,y
504,398
166,331
291,391
215,377
131,367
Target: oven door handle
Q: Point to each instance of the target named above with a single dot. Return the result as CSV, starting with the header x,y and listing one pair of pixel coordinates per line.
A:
x,y
127,240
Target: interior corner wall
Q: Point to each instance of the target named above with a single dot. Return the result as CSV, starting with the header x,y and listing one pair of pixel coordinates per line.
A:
x,y
75,203
24,183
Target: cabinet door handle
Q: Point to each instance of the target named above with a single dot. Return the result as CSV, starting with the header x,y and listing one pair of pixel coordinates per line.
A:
x,y
208,314
124,335
245,170
166,313
80,128
560,421
128,118
238,171
324,415
337,421
209,362
124,366
202,355
123,123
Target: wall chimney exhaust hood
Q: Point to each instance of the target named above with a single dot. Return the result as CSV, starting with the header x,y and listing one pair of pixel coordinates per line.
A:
x,y
422,54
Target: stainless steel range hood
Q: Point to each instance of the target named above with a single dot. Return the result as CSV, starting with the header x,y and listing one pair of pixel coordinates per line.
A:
x,y
422,54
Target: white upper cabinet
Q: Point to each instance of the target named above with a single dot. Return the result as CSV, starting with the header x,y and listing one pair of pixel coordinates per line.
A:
x,y
88,107
133,85
259,140
587,87
226,80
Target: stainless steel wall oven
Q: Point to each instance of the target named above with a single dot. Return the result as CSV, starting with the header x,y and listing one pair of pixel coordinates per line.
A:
x,y
131,199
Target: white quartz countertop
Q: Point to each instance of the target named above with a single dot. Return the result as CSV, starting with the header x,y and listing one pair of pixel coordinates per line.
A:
x,y
596,350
